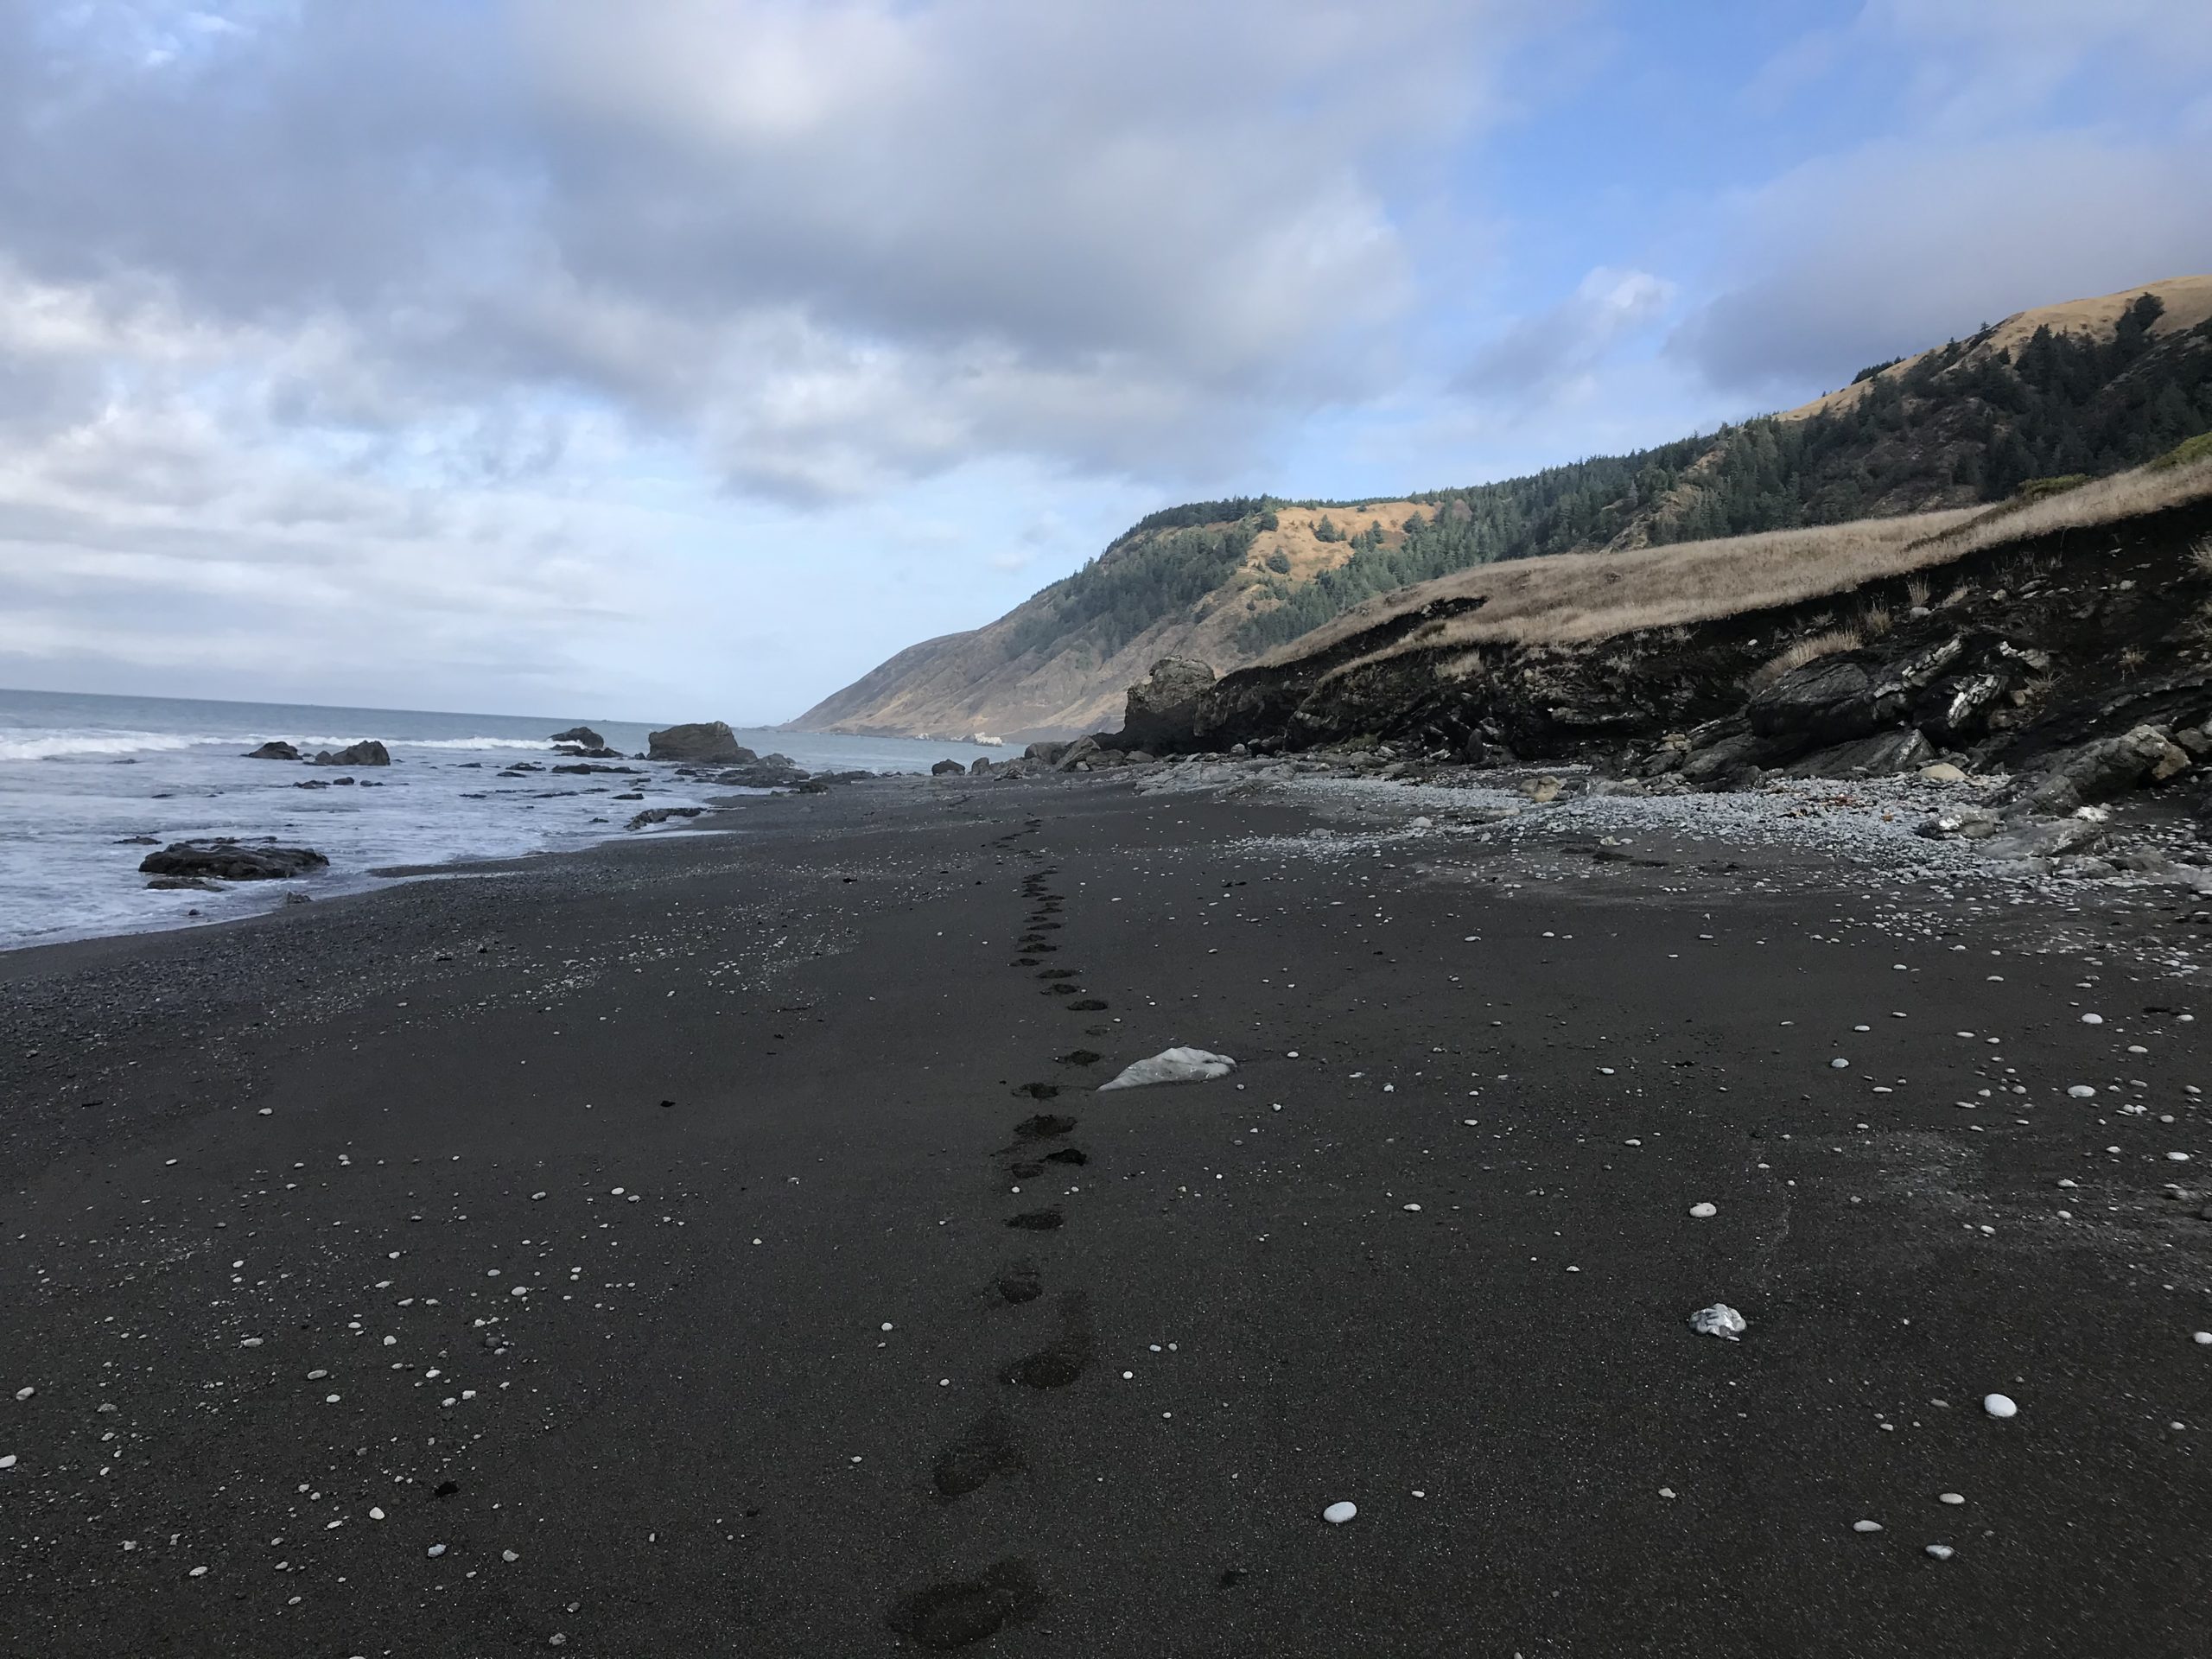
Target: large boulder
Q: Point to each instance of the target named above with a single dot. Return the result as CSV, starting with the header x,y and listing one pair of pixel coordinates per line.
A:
x,y
273,752
1877,756
367,753
1829,700
1163,707
1047,751
947,769
2110,765
582,736
225,860
708,741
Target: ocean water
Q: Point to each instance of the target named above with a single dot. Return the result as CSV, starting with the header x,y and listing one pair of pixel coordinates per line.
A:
x,y
80,774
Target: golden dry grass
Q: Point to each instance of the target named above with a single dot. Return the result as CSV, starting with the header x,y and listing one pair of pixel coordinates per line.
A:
x,y
1810,649
1573,598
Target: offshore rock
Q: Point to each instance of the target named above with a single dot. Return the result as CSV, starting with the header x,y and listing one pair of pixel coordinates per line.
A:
x,y
232,861
367,753
709,742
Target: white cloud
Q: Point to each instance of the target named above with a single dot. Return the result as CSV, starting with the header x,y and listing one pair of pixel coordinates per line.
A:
x,y
1849,260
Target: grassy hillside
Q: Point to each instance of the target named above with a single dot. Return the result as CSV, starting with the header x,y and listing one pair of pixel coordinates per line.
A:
x,y
2079,390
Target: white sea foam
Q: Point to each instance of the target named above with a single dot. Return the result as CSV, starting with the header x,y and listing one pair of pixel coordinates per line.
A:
x,y
36,744
71,815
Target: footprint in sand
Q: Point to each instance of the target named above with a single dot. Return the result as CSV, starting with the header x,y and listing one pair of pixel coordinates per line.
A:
x,y
1036,1221
1066,1358
1044,1126
1018,1282
1086,1005
984,1449
1037,1091
954,1614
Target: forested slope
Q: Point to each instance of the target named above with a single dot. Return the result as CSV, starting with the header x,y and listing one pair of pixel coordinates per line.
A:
x,y
2085,388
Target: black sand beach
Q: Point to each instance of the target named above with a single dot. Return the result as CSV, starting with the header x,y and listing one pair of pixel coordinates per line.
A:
x,y
714,1245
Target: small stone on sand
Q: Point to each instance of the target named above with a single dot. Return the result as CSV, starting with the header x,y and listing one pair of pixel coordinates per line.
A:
x,y
1719,1320
1997,1405
1336,1514
1703,1211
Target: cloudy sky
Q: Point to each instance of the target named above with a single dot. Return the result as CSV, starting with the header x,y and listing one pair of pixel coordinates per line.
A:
x,y
685,357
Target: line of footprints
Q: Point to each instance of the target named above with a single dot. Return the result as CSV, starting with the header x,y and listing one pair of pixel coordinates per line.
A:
x,y
958,1612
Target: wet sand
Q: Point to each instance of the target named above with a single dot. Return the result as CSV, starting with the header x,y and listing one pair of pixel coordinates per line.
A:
x,y
852,1321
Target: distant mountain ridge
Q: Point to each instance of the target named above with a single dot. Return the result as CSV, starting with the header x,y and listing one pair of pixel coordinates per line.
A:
x,y
2084,388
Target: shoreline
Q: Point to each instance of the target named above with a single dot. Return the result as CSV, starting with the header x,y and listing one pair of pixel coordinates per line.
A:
x,y
902,1415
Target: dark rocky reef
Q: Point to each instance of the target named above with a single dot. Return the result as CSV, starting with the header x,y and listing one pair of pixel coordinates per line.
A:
x,y
273,751
582,736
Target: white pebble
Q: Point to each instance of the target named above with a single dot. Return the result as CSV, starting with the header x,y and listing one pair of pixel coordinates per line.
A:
x,y
1336,1514
1997,1405
25,1393
1940,1552
436,1550
2093,1019
2202,1338
1703,1211
1839,1063
1950,1497
8,1462
1865,1526
2083,1091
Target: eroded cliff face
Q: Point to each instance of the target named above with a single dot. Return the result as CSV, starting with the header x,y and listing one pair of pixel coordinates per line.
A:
x,y
1993,660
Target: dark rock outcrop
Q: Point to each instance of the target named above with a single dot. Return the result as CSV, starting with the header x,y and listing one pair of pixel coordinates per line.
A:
x,y
2108,766
768,772
1165,703
2074,661
946,768
367,753
584,769
273,751
1878,756
582,736
654,815
184,884
232,861
708,742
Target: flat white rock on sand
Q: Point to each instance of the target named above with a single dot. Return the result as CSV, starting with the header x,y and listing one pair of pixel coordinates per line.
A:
x,y
1172,1065
1719,1320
